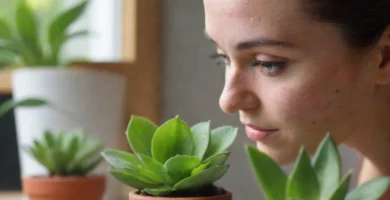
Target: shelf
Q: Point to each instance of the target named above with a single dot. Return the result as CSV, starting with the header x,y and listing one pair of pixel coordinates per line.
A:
x,y
5,83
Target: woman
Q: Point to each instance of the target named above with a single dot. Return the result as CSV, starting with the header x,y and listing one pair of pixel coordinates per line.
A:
x,y
296,69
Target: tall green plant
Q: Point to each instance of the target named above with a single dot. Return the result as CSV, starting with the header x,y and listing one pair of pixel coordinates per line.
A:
x,y
319,179
25,46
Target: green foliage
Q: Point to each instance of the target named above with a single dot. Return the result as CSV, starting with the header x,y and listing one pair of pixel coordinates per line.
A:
x,y
28,102
317,180
171,159
66,153
26,46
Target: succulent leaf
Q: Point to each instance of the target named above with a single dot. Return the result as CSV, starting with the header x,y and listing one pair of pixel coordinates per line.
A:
x,y
181,166
121,159
221,139
217,159
161,191
342,188
371,190
268,173
326,162
203,178
172,138
303,182
140,132
201,133
155,169
132,179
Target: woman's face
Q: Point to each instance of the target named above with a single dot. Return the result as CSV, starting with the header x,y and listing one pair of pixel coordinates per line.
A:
x,y
292,79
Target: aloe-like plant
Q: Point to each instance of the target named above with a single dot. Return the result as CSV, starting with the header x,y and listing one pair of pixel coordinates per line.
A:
x,y
26,47
66,153
172,159
319,179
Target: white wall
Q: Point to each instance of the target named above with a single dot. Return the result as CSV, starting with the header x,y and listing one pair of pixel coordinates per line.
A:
x,y
192,85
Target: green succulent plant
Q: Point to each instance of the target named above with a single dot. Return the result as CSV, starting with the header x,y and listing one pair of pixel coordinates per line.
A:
x,y
319,179
172,159
66,153
26,46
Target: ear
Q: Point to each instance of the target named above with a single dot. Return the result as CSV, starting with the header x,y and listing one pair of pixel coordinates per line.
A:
x,y
383,71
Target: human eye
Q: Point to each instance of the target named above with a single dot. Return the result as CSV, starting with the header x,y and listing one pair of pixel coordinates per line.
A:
x,y
222,59
270,68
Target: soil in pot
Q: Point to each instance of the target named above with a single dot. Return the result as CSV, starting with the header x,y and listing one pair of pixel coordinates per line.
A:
x,y
206,193
64,188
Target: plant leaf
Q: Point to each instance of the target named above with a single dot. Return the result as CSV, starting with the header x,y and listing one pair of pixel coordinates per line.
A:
x,y
28,29
326,163
28,102
342,188
140,132
59,26
131,179
271,177
154,169
57,45
201,134
121,159
8,57
220,140
172,138
49,139
72,149
90,148
5,31
91,164
161,191
303,182
200,168
203,178
371,190
181,166
218,159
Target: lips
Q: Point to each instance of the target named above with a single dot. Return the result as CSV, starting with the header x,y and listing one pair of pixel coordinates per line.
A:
x,y
258,134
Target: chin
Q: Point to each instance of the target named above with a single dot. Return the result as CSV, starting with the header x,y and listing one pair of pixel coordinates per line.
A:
x,y
282,156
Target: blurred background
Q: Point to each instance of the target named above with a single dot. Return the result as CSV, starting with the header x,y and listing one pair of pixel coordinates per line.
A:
x,y
159,48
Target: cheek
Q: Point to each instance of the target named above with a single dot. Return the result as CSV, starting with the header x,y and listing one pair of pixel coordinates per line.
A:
x,y
299,103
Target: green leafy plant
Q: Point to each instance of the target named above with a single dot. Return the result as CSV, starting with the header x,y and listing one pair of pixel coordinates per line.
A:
x,y
66,153
317,180
26,47
172,159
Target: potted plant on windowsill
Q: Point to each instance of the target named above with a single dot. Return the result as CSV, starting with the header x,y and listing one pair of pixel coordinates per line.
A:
x,y
69,157
77,97
173,161
317,180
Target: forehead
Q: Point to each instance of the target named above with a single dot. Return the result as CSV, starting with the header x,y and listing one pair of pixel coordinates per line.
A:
x,y
235,19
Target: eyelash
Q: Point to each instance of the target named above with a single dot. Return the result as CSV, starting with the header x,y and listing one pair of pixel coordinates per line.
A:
x,y
268,65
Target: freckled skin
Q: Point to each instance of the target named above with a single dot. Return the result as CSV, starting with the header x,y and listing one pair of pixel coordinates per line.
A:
x,y
325,86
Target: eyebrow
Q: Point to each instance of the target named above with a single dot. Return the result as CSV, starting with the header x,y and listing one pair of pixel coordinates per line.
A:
x,y
259,42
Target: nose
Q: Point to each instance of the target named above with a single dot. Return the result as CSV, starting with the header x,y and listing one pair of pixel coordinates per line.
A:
x,y
238,92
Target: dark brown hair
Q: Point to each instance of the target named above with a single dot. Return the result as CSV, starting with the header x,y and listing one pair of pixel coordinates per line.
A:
x,y
361,22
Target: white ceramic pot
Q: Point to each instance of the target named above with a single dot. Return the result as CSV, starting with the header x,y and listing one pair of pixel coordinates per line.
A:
x,y
86,99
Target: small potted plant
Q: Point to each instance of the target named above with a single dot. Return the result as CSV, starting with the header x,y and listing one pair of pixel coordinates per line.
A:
x,y
173,161
68,157
319,179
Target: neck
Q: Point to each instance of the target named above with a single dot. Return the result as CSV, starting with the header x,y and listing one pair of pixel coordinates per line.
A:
x,y
372,140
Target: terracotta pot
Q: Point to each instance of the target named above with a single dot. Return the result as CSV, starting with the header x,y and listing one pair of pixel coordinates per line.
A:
x,y
135,196
64,188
